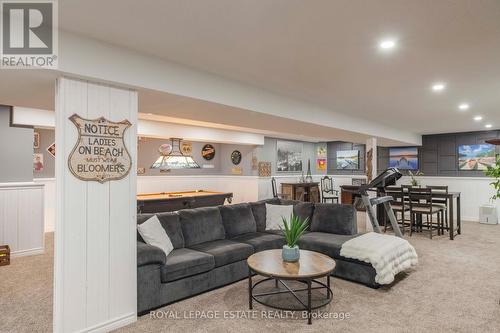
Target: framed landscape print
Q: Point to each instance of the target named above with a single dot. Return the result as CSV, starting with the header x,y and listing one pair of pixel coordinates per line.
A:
x,y
347,159
289,156
404,158
476,157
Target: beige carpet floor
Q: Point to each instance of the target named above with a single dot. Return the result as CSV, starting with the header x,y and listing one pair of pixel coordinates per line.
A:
x,y
456,288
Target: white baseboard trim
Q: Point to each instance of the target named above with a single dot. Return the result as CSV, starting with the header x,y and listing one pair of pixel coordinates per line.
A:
x,y
29,252
112,324
470,218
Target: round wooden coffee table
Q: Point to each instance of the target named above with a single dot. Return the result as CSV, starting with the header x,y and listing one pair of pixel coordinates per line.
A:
x,y
311,266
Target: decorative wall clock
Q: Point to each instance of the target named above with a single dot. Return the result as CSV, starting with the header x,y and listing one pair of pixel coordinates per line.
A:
x,y
208,152
236,157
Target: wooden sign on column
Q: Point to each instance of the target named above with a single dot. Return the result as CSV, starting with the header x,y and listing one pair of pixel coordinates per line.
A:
x,y
100,153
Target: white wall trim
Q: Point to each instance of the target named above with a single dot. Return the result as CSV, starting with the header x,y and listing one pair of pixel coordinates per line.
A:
x,y
29,252
49,202
162,130
151,129
143,178
22,217
112,324
452,177
6,186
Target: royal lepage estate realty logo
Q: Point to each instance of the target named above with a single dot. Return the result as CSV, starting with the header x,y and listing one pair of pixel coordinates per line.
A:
x,y
29,36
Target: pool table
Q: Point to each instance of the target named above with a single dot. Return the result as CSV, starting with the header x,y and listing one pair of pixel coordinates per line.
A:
x,y
172,201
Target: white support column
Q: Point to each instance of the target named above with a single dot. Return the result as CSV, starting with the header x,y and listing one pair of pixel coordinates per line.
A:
x,y
95,233
371,169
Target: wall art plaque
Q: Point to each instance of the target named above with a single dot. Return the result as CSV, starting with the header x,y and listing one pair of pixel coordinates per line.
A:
x,y
52,149
208,152
264,169
100,153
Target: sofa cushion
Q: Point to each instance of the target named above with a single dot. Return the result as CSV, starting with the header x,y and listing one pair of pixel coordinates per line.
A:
x,y
301,209
201,225
141,218
237,219
275,215
326,243
154,234
225,251
172,225
170,222
304,210
335,219
261,240
185,262
259,212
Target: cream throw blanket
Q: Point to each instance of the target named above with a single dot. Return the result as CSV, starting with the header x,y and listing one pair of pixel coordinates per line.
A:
x,y
389,255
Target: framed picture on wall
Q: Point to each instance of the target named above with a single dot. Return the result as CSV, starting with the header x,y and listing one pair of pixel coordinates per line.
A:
x,y
289,156
264,169
347,159
37,162
36,140
321,164
476,157
404,158
321,151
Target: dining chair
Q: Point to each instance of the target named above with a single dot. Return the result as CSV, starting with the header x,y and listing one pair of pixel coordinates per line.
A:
x,y
399,205
443,202
275,190
421,203
327,191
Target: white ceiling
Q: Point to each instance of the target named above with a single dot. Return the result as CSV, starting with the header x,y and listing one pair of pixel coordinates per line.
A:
x,y
36,89
324,51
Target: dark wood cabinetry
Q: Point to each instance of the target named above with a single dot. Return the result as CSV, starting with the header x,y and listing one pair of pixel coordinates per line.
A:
x,y
308,192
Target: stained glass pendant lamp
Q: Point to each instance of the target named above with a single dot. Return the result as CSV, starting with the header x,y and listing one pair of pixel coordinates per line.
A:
x,y
173,158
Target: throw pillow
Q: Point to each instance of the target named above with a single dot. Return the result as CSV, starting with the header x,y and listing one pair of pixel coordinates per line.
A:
x,y
153,234
275,215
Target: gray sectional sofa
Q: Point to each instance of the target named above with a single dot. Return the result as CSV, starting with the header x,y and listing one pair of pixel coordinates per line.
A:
x,y
211,246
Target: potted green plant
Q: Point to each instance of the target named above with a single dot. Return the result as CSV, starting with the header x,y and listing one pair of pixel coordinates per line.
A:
x,y
413,180
494,172
292,229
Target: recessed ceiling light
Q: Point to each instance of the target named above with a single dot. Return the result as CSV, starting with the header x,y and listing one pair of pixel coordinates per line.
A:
x,y
387,44
488,125
438,86
464,106
478,118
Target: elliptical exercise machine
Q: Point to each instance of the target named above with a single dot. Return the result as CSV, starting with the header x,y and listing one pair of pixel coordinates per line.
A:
x,y
386,178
